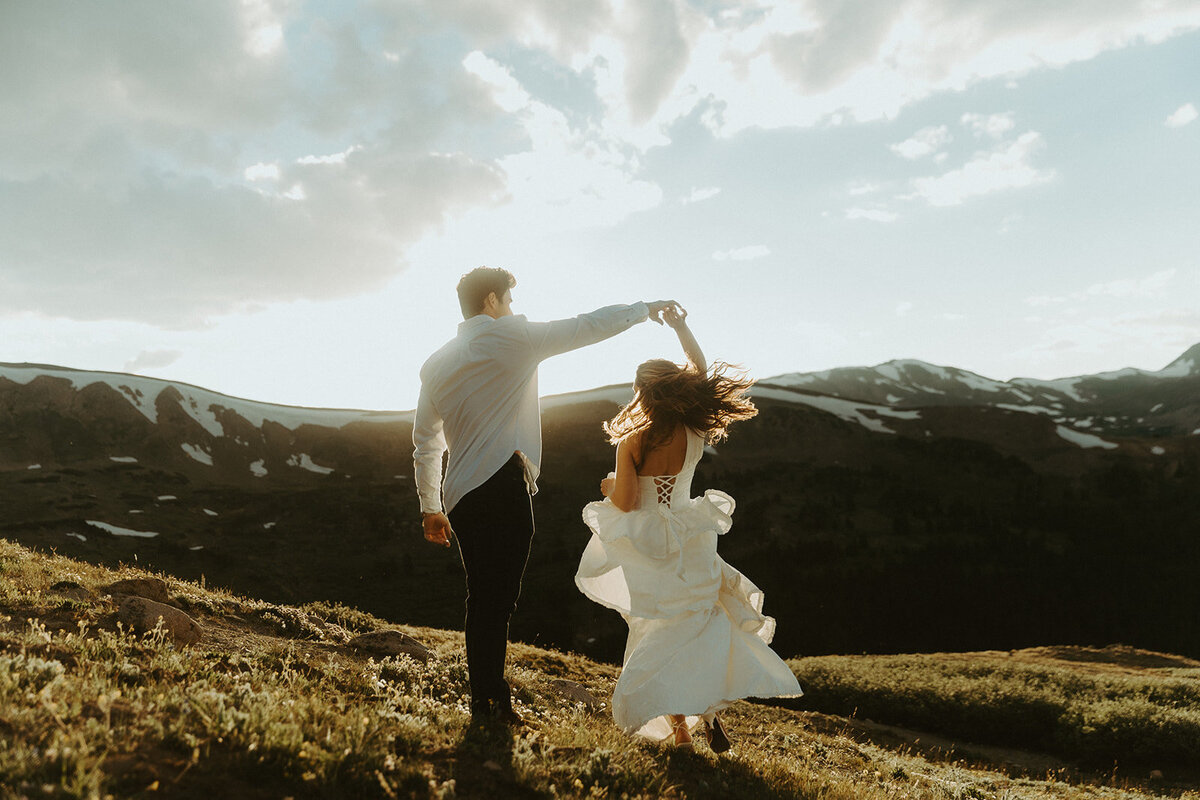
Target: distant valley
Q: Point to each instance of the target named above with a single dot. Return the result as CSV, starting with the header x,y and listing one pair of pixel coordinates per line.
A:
x,y
902,507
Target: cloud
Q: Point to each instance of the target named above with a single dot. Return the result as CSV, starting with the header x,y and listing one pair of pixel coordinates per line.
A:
x,y
1181,116
565,176
748,253
1006,168
1151,286
993,126
148,360
868,60
144,177
656,54
699,195
169,166
873,214
903,308
1111,341
922,143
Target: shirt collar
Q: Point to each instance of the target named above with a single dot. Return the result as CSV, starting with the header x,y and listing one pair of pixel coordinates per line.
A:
x,y
477,321
480,320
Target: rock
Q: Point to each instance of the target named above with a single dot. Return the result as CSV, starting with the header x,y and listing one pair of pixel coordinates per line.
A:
x,y
150,588
70,590
576,693
390,643
142,615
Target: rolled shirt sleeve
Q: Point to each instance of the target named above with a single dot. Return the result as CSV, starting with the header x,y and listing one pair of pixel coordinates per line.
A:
x,y
429,441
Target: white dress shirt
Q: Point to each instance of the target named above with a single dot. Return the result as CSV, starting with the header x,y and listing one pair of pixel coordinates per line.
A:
x,y
479,397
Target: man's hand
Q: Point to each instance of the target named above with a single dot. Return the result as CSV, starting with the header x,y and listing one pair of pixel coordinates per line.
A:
x,y
657,307
437,528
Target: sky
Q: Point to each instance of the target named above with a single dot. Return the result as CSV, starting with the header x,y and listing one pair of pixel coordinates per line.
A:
x,y
275,200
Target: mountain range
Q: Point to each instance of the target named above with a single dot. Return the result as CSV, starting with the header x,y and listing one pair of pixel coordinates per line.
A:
x,y
901,507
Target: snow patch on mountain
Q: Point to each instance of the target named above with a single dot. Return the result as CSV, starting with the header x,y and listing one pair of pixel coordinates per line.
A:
x,y
123,459
1067,386
197,453
304,461
116,530
1083,439
859,413
1029,409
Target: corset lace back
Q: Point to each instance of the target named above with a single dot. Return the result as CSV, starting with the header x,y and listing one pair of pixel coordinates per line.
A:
x,y
668,490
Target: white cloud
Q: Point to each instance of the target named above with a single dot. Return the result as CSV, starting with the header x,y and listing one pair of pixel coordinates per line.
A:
x,y
332,158
999,170
262,28
903,308
152,359
126,193
993,126
564,176
922,143
873,214
698,195
868,60
1181,116
748,253
260,172
1148,340
862,187
1151,286
126,189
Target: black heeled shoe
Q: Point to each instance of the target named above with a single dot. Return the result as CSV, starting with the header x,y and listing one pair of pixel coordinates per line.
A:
x,y
718,740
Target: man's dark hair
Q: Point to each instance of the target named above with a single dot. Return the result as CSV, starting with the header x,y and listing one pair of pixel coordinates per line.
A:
x,y
476,285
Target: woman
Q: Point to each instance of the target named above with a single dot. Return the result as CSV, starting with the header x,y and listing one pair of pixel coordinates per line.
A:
x,y
697,635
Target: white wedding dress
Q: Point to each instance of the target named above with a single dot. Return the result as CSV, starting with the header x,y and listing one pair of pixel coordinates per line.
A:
x,y
698,639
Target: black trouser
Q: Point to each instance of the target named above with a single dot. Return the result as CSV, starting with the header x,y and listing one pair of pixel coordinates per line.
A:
x,y
494,527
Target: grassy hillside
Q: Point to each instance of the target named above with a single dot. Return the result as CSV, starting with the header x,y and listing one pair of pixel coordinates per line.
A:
x,y
271,702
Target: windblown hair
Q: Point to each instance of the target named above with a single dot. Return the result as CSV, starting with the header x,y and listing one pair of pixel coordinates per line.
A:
x,y
475,286
666,395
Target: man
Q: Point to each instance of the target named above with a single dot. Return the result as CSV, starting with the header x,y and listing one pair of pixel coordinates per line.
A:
x,y
479,400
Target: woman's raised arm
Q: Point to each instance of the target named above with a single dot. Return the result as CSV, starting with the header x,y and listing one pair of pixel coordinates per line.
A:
x,y
676,317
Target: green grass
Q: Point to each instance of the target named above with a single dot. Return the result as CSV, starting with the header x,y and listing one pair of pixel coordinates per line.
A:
x,y
1119,706
272,703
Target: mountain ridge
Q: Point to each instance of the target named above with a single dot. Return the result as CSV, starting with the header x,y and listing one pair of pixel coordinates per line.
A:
x,y
840,502
1128,401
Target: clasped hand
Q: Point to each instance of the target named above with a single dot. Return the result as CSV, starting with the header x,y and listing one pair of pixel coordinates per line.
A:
x,y
661,310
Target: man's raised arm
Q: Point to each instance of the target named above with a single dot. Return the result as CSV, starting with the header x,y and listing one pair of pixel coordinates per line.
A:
x,y
562,335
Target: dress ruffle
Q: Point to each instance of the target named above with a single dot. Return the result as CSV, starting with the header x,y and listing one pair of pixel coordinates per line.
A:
x,y
655,562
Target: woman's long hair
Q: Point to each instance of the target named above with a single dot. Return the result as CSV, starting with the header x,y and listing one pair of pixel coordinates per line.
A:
x,y
666,395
